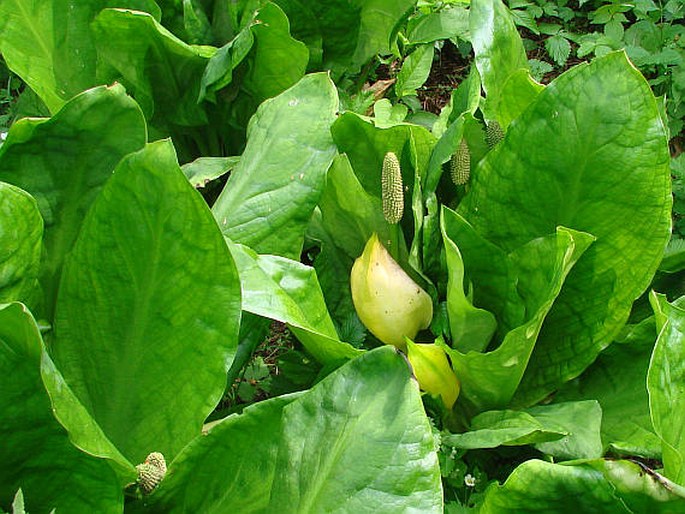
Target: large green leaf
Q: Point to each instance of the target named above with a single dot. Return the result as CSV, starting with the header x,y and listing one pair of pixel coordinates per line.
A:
x,y
351,32
63,163
36,454
265,58
359,441
520,289
373,445
616,486
48,43
162,72
503,428
220,67
149,303
609,178
285,290
21,235
471,328
415,70
270,195
229,469
618,381
84,432
665,380
582,420
278,61
498,49
562,430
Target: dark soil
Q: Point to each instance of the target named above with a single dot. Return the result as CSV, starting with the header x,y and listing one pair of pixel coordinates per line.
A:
x,y
448,70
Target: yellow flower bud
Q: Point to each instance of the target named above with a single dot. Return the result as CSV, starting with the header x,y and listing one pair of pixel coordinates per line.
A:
x,y
389,303
433,371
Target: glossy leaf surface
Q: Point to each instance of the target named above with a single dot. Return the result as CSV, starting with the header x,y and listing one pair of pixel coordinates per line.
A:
x,y
49,44
520,289
357,441
288,291
269,198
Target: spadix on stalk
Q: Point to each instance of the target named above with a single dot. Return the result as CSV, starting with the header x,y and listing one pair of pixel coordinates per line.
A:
x,y
389,303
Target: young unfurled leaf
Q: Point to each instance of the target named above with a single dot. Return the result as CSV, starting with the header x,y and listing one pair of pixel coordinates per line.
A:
x,y
433,371
389,303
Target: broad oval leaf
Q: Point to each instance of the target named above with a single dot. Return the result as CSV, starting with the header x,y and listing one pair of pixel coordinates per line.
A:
x,y
415,70
590,153
48,43
358,441
270,195
498,49
229,469
36,453
63,162
349,32
162,72
370,445
618,381
149,306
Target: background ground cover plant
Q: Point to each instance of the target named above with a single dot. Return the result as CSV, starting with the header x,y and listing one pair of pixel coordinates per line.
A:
x,y
203,169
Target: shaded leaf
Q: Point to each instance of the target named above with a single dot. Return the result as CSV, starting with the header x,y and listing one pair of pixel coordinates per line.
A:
x,y
36,454
21,235
618,381
452,22
48,43
162,72
520,289
415,70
